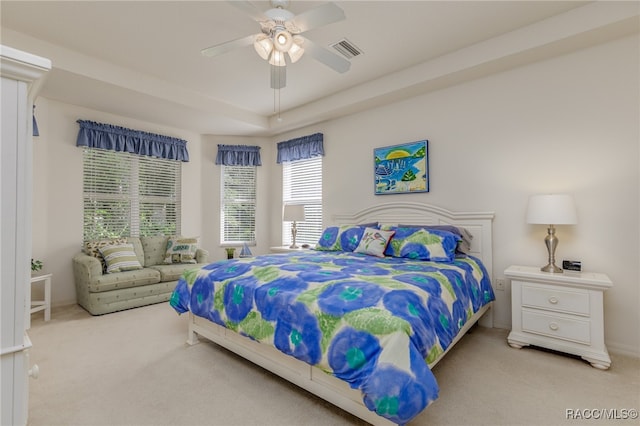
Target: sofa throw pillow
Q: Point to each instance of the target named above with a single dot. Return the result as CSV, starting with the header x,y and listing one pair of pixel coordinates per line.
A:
x,y
181,250
423,244
92,248
120,258
340,238
374,241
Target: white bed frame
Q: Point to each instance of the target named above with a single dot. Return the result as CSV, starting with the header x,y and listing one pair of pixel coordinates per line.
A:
x,y
315,380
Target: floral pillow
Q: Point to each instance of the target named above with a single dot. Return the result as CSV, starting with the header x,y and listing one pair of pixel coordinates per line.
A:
x,y
423,244
340,238
374,241
464,245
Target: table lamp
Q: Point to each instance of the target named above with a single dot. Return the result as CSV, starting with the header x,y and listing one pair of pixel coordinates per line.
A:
x,y
551,210
293,213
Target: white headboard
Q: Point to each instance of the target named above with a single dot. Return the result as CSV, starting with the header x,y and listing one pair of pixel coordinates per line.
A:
x,y
479,224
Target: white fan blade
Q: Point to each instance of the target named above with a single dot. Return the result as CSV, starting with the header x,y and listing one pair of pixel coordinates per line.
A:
x,y
278,77
319,16
328,58
219,49
248,8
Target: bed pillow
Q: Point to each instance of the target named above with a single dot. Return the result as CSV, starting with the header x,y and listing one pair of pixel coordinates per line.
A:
x,y
374,241
181,250
423,244
464,245
120,258
370,225
340,238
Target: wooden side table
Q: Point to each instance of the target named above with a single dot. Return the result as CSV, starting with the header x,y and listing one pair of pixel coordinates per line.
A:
x,y
563,312
42,305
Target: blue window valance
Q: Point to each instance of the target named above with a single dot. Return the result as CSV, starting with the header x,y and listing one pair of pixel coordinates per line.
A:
x,y
301,148
238,155
115,138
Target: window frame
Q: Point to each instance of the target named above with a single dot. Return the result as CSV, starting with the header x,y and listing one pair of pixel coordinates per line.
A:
x,y
100,165
302,184
249,197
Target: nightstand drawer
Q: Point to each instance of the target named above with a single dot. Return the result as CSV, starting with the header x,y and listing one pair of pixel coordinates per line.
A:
x,y
575,330
554,299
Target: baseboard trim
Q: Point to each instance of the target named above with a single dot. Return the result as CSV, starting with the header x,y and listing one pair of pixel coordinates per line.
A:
x,y
622,349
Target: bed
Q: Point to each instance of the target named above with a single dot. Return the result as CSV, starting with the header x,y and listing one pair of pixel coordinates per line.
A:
x,y
356,326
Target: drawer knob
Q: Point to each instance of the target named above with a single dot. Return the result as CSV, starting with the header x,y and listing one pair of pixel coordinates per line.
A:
x,y
554,326
553,300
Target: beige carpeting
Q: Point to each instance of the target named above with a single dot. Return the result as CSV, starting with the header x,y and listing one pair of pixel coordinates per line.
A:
x,y
134,368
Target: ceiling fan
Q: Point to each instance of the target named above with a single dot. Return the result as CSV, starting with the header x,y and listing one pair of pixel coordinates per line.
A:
x,y
280,40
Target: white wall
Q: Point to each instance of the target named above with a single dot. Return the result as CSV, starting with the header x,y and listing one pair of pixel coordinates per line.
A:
x,y
569,124
57,181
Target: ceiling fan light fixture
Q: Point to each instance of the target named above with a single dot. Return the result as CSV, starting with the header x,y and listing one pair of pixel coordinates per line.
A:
x,y
263,46
296,51
282,41
277,59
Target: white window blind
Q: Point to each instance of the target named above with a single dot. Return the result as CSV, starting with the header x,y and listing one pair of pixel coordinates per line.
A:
x,y
129,195
238,205
302,184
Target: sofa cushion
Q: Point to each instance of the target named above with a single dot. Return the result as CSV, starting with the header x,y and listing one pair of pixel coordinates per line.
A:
x,y
120,258
92,248
154,250
174,271
137,248
124,279
181,250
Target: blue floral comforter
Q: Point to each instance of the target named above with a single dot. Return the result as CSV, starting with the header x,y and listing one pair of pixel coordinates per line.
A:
x,y
375,323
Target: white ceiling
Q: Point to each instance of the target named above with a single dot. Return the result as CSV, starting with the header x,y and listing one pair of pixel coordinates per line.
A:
x,y
142,59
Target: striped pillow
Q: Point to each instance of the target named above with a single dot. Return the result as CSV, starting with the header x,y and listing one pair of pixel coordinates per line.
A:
x,y
92,248
120,258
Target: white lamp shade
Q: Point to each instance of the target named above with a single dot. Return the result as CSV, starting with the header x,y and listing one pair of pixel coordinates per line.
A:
x,y
296,50
293,213
277,59
263,46
552,209
282,41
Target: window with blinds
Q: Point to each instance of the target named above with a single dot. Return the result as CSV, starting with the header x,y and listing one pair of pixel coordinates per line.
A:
x,y
238,205
129,195
302,184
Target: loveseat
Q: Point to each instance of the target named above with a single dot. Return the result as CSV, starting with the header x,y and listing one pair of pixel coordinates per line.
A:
x,y
148,277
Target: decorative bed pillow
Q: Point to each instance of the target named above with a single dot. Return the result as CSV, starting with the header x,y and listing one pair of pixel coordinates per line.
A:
x,y
120,258
374,241
370,225
464,245
92,248
181,250
423,244
340,238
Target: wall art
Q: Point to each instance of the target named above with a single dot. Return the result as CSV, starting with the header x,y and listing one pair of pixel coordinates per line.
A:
x,y
401,169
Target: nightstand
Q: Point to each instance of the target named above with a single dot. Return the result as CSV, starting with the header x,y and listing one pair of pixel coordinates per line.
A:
x,y
563,312
285,249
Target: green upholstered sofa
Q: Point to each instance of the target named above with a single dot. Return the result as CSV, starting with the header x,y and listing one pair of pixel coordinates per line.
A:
x,y
101,293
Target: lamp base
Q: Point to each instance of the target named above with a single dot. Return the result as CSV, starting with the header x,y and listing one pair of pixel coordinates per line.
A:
x,y
551,268
294,232
551,242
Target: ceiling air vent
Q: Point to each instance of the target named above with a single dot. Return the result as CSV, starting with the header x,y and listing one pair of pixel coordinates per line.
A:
x,y
347,49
